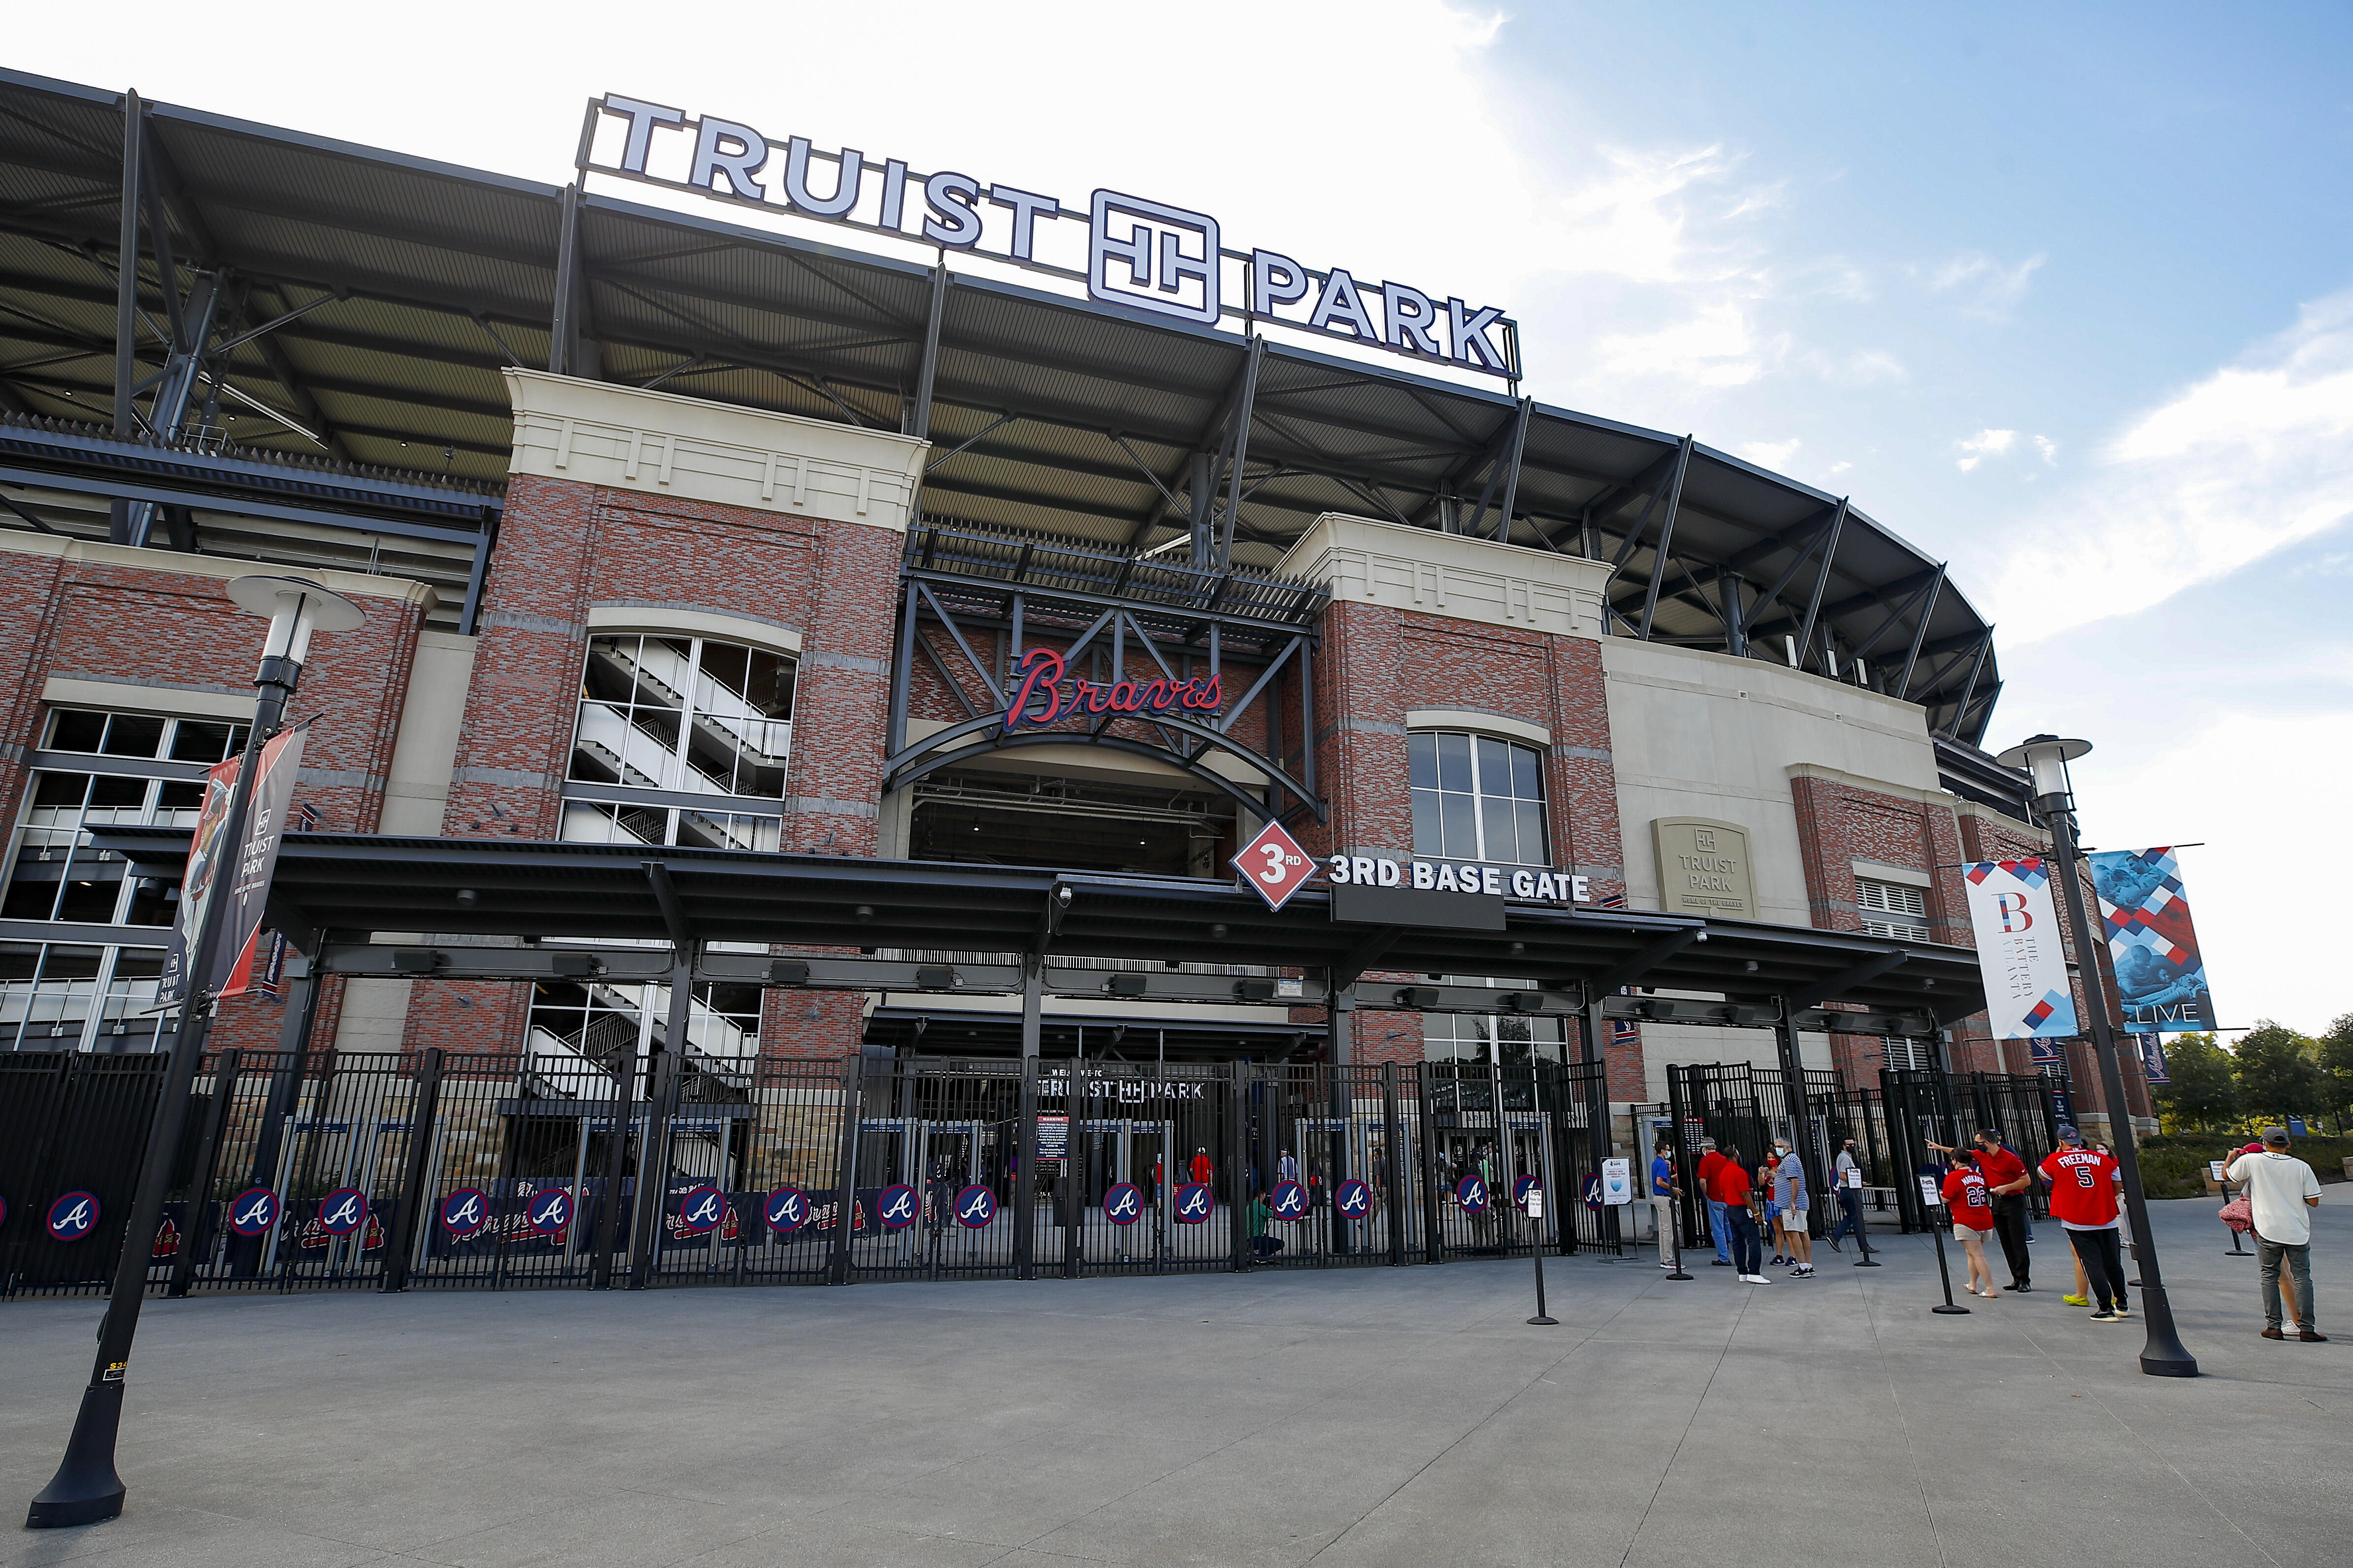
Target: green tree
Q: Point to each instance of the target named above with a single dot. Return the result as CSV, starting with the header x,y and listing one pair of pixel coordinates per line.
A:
x,y
2203,1091
2336,1061
2279,1072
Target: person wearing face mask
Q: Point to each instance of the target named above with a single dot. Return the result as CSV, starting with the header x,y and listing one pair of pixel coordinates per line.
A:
x,y
1789,1192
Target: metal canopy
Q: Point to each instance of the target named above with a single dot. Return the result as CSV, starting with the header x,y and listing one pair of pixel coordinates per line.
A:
x,y
401,287
345,885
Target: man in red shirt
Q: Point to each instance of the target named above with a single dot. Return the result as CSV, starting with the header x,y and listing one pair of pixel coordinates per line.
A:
x,y
1709,1165
2006,1183
1729,1188
2083,1200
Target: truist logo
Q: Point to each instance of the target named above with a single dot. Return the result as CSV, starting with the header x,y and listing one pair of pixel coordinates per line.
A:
x,y
1041,698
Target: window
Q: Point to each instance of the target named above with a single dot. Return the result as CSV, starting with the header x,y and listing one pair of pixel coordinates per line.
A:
x,y
678,715
1508,1038
1476,798
62,996
1917,1054
1892,909
572,1023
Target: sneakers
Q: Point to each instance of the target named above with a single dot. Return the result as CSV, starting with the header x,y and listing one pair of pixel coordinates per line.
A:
x,y
1803,1271
1755,1279
1834,1245
2072,1300
1775,1261
2121,1312
1664,1264
2311,1338
2106,1315
1722,1262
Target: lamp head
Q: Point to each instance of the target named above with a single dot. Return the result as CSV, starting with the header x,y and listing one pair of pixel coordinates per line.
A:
x,y
2046,757
295,608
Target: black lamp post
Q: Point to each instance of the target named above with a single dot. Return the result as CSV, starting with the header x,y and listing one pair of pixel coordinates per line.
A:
x,y
86,1488
2047,757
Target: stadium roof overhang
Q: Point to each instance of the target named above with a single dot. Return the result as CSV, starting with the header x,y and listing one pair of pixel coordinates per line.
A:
x,y
393,291
332,889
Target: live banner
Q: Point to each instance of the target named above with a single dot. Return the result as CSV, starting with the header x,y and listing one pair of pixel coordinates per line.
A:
x,y
2019,953
247,869
2161,973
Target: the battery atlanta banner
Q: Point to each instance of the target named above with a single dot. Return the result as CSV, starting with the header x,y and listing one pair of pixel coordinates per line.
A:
x,y
240,875
2161,974
2019,954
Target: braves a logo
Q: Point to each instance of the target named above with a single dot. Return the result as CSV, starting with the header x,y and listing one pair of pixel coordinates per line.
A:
x,y
1522,1188
1195,1203
896,1206
1472,1194
1123,1203
343,1211
1287,1201
73,1216
549,1212
788,1209
253,1212
701,1210
465,1211
1352,1199
976,1206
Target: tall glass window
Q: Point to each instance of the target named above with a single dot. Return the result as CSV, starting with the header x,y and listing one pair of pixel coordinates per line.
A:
x,y
678,715
1492,1037
1476,798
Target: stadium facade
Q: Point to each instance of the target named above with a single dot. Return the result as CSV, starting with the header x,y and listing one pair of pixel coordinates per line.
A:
x,y
678,533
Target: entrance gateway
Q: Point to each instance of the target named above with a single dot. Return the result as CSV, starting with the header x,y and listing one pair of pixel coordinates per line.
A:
x,y
648,1167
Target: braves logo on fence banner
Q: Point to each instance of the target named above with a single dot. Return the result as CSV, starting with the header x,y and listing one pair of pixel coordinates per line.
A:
x,y
1123,1203
465,1211
343,1211
896,1206
1521,1189
976,1206
549,1212
1195,1203
73,1216
1472,1194
788,1209
1287,1201
253,1211
701,1210
1352,1199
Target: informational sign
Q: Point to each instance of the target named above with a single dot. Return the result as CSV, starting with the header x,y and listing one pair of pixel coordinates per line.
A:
x,y
1352,1199
1616,1181
1929,1193
786,1209
976,1206
1471,1192
1194,1202
73,1216
343,1211
548,1213
896,1206
2019,954
1274,865
2216,1168
253,1211
1129,251
1053,1136
2161,973
701,1210
1852,1177
1534,1204
1287,1201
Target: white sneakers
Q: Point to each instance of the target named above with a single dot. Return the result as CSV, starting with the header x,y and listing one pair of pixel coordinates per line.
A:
x,y
1755,1279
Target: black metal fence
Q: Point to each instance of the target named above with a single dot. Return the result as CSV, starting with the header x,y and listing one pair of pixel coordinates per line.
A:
x,y
384,1171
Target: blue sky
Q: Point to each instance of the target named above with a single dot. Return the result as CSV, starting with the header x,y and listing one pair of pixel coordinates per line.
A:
x,y
2063,294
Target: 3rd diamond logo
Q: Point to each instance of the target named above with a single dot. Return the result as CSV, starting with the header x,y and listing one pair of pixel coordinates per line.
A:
x,y
1275,865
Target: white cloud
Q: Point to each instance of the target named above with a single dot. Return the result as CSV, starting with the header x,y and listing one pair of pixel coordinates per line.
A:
x,y
2049,448
1985,288
1715,347
2252,458
1773,455
1977,448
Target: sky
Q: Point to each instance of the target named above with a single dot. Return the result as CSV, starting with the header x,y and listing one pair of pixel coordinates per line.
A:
x,y
2061,294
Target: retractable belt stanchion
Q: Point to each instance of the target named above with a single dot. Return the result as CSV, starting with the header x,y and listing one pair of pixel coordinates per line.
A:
x,y
1933,1200
1535,1215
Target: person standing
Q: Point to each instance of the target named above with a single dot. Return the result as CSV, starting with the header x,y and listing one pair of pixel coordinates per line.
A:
x,y
1972,1212
1789,1192
2006,1183
1203,1169
1711,1160
1286,1168
1846,1173
2083,1201
2282,1191
1663,1193
1729,1189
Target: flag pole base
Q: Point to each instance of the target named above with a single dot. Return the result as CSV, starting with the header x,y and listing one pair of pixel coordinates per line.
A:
x,y
1543,1322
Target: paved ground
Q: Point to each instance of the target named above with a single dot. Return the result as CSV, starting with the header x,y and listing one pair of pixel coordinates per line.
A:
x,y
1380,1416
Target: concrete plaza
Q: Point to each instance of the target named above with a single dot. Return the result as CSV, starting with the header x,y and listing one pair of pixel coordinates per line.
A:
x,y
1373,1417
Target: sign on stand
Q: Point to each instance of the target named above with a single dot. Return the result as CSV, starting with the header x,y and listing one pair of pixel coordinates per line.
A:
x,y
1617,1181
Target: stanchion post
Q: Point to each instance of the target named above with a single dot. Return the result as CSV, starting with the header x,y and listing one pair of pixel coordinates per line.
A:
x,y
1543,1319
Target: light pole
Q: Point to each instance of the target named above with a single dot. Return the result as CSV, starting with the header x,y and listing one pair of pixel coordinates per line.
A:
x,y
86,1488
2047,757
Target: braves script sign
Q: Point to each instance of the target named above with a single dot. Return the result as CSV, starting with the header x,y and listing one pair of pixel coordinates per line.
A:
x,y
2018,955
1041,697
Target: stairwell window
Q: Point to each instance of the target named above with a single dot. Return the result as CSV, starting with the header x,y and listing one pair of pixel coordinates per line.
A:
x,y
1477,798
1891,908
666,717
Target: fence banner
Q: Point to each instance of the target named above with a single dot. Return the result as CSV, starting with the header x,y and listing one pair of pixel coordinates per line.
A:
x,y
2019,954
2161,974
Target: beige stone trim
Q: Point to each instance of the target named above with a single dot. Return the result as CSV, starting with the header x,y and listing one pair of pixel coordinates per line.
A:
x,y
1478,723
659,443
1903,876
424,751
221,568
2004,822
135,697
1436,573
1944,798
694,623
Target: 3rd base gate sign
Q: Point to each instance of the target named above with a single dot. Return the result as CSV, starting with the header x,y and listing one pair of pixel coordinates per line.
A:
x,y
1274,864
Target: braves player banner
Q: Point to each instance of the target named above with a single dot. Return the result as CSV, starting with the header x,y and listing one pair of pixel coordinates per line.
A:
x,y
2019,954
2161,974
247,871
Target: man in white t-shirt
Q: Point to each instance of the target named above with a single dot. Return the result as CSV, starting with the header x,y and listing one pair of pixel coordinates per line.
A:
x,y
2281,1190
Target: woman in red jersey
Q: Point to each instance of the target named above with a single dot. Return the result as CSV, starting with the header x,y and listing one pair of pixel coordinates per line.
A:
x,y
1972,1211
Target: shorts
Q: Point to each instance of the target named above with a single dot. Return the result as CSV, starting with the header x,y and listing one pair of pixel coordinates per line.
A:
x,y
1967,1234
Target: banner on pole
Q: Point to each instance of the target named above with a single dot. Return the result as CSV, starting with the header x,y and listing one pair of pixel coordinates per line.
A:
x,y
2161,973
2153,1070
197,885
2019,954
265,827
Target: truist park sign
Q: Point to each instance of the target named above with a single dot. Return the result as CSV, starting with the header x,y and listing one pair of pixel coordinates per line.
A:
x,y
1143,254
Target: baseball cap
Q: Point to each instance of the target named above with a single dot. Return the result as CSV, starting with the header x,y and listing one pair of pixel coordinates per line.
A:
x,y
2069,1135
2275,1135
